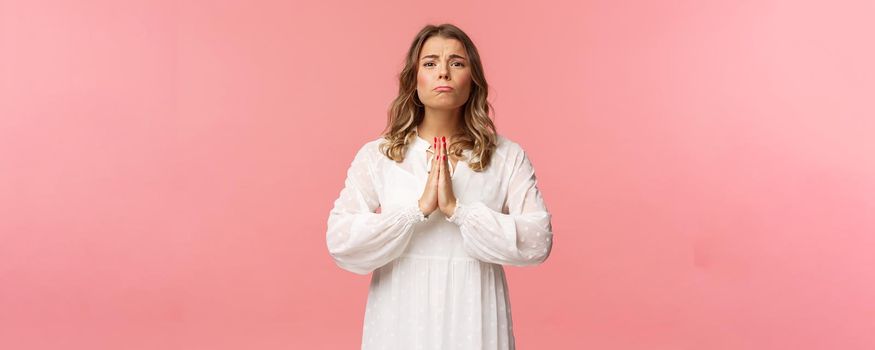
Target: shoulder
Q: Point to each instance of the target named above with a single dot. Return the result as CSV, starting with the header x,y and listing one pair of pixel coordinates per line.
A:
x,y
508,148
513,154
370,147
505,142
374,144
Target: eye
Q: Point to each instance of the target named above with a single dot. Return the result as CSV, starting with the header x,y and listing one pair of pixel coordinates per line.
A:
x,y
460,64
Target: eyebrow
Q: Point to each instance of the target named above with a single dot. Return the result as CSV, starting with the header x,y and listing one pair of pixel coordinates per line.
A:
x,y
436,56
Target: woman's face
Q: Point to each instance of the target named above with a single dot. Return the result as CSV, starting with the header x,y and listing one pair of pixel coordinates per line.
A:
x,y
443,62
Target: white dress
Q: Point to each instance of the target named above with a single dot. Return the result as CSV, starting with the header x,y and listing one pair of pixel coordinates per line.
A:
x,y
438,282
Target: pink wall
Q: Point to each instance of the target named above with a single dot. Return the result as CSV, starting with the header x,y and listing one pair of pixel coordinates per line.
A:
x,y
709,167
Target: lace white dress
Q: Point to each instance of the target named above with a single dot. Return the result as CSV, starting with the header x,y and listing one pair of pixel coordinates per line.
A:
x,y
438,282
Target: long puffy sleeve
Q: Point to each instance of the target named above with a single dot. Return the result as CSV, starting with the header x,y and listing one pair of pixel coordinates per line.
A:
x,y
359,239
521,237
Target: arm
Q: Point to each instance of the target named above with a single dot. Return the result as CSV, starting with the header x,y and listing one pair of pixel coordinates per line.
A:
x,y
522,237
359,239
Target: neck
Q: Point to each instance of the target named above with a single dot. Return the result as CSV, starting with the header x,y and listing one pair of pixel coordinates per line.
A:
x,y
440,122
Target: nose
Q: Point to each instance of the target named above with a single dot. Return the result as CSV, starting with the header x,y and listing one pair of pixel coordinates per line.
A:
x,y
444,73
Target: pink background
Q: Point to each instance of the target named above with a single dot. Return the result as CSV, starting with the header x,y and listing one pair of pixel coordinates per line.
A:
x,y
166,169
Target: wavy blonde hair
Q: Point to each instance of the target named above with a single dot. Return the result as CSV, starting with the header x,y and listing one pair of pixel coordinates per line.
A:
x,y
407,112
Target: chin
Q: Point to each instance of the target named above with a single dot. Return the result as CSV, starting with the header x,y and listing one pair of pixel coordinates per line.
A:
x,y
445,105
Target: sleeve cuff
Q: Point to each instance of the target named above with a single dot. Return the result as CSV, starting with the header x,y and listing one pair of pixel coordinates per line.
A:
x,y
413,214
461,214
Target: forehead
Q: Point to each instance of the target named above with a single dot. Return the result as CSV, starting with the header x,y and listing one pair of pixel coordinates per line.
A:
x,y
437,45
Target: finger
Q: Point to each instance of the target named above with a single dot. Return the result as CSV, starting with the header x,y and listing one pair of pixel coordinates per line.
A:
x,y
437,147
437,171
437,161
436,157
443,172
444,150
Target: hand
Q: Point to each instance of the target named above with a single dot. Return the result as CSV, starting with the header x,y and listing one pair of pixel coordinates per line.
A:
x,y
446,198
428,202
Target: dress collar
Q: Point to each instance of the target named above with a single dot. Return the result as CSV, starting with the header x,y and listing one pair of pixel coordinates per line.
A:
x,y
419,141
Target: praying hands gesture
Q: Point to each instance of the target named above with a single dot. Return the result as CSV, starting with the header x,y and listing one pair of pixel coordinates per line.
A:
x,y
438,193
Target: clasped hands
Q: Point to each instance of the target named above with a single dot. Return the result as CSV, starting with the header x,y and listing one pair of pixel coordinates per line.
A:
x,y
438,193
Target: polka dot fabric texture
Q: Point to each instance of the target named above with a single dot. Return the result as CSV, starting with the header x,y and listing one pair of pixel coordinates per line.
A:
x,y
438,282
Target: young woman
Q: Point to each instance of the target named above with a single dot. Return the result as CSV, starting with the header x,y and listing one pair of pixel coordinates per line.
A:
x,y
457,202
